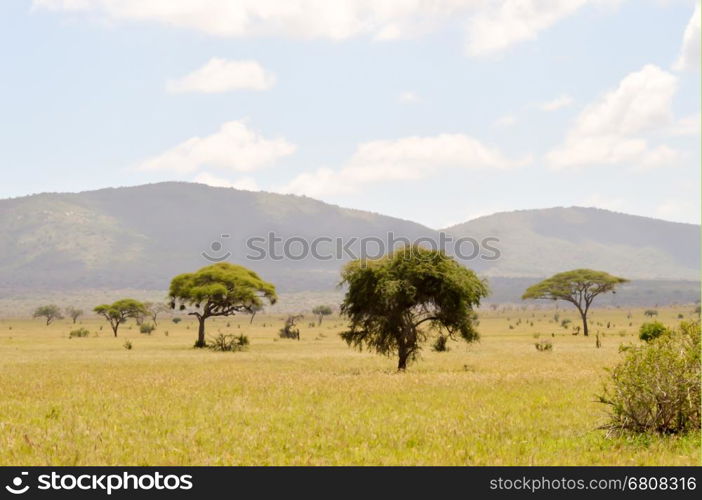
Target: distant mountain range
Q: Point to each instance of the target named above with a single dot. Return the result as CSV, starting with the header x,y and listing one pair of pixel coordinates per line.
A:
x,y
139,237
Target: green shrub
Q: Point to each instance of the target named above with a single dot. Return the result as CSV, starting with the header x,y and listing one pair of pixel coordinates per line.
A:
x,y
176,320
79,333
441,344
650,331
656,388
127,345
228,343
146,328
544,345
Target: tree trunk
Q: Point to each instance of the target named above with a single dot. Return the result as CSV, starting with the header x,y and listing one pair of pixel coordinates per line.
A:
x,y
200,333
402,362
114,328
403,353
584,316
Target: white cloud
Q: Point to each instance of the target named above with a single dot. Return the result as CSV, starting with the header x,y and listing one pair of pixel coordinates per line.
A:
x,y
689,57
687,125
559,102
409,158
505,23
408,96
221,75
233,147
659,157
608,131
491,25
506,121
245,183
295,18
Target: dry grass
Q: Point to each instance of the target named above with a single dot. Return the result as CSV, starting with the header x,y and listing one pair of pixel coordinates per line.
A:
x,y
89,401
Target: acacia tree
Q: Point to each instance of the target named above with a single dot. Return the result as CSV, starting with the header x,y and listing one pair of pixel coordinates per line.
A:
x,y
120,311
152,310
49,312
74,313
221,289
320,312
579,287
394,301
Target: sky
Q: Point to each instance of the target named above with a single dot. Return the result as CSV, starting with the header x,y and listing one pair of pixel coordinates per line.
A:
x,y
436,111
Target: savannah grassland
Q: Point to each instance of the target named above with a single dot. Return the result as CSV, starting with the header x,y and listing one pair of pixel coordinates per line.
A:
x,y
90,401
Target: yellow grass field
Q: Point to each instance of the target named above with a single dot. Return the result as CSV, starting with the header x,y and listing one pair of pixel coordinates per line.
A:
x,y
90,401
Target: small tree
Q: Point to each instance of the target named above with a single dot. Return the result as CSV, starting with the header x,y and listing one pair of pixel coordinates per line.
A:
x,y
74,313
579,287
391,300
50,313
152,311
320,312
222,289
120,311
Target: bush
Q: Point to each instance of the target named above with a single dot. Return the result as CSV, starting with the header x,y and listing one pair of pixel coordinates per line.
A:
x,y
127,345
544,345
176,320
656,388
441,344
290,330
146,328
651,331
228,343
80,333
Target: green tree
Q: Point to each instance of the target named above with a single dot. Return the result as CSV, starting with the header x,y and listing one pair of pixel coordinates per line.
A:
x,y
221,289
49,312
320,312
120,311
393,302
579,287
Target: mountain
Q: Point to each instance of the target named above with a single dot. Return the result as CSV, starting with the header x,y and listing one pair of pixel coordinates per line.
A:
x,y
139,237
537,243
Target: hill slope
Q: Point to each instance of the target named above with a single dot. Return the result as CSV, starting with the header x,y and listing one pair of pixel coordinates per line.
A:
x,y
536,243
139,237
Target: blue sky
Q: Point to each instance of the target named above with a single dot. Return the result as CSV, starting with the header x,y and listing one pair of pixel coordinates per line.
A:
x,y
436,112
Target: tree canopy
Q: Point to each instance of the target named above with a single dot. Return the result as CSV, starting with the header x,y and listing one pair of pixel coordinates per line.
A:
x,y
321,311
49,312
390,298
221,289
579,287
120,311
